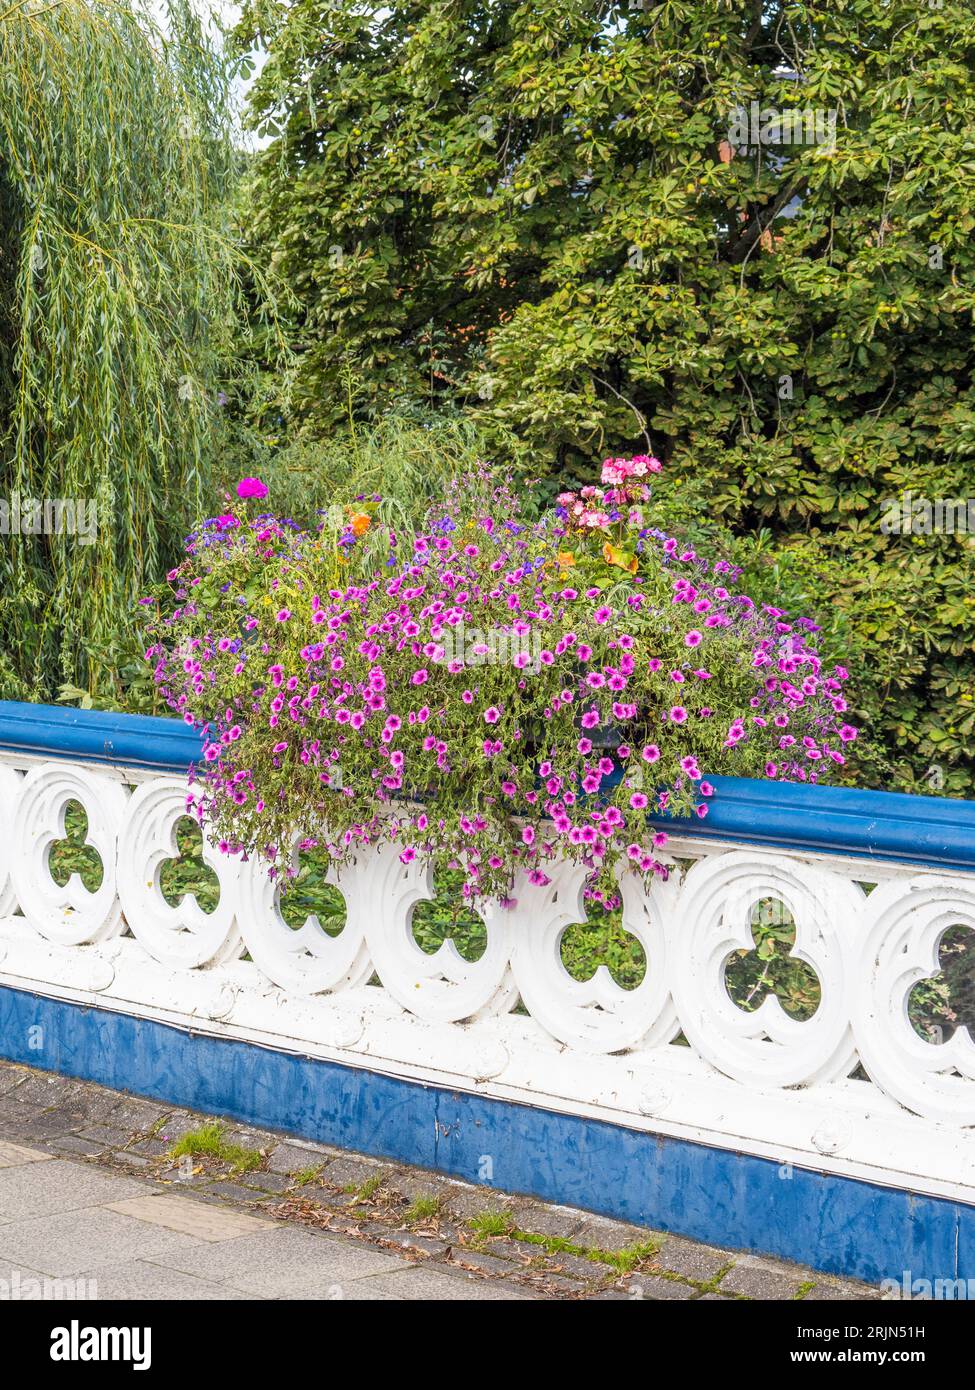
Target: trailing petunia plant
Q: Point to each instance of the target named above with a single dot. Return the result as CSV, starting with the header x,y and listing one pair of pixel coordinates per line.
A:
x,y
500,693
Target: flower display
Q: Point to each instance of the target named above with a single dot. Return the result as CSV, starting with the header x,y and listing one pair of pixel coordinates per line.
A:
x,y
497,691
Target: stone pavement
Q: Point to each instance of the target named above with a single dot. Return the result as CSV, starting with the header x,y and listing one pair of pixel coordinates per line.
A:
x,y
106,1196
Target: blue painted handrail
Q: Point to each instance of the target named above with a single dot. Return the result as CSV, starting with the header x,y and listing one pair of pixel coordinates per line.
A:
x,y
929,830
99,736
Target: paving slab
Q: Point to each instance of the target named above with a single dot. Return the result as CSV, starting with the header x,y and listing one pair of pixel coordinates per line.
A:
x,y
47,1088
137,1162
653,1288
359,1292
267,1182
466,1201
545,1220
86,1241
435,1286
191,1217
108,1136
17,1118
693,1261
602,1233
60,1185
19,1283
147,1282
840,1290
292,1157
74,1145
485,1263
138,1115
13,1076
233,1192
13,1155
283,1263
413,1185
763,1279
353,1171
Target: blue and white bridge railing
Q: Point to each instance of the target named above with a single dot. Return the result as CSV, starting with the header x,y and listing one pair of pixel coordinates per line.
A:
x,y
846,1141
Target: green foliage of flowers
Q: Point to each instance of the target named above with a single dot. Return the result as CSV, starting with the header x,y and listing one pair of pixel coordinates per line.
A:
x,y
535,211
498,692
408,455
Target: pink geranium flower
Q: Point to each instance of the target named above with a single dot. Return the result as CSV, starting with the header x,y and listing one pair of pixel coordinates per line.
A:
x,y
251,487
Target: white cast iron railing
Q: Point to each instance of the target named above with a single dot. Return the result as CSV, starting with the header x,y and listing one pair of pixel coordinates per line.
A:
x,y
675,1055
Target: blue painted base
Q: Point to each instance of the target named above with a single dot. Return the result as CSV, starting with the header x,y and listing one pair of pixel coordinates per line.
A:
x,y
836,1224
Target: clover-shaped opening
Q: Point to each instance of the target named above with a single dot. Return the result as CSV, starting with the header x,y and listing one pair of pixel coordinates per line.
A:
x,y
308,894
769,968
603,940
187,874
447,916
72,854
945,1002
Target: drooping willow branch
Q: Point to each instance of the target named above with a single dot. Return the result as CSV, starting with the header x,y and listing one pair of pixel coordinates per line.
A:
x,y
118,293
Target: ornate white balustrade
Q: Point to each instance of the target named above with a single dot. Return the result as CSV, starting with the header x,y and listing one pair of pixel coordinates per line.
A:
x,y
675,1055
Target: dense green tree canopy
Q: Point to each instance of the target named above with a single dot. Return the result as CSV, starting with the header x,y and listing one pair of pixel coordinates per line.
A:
x,y
555,215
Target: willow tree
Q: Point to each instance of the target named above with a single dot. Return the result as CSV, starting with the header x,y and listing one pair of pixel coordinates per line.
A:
x,y
116,299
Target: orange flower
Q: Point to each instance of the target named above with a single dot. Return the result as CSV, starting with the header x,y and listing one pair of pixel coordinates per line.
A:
x,y
360,523
566,559
614,556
